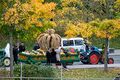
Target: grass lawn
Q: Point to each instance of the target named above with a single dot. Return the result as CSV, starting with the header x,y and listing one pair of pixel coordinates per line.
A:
x,y
91,73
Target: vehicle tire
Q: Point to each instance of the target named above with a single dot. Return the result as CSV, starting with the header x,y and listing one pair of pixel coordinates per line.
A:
x,y
110,60
84,62
6,61
94,58
84,59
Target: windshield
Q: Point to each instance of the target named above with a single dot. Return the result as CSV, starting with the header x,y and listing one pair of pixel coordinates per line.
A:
x,y
78,42
68,43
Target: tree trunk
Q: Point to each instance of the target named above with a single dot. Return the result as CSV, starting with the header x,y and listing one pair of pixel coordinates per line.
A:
x,y
11,54
106,55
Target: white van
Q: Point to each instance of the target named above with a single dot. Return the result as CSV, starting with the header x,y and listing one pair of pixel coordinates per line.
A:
x,y
76,43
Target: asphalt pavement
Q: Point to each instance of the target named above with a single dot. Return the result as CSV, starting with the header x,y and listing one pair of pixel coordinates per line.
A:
x,y
93,66
116,52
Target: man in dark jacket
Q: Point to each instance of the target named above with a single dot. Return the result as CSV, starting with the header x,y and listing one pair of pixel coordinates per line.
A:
x,y
48,57
15,53
53,56
21,47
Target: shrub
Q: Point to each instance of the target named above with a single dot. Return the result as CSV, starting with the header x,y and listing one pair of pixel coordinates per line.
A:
x,y
33,70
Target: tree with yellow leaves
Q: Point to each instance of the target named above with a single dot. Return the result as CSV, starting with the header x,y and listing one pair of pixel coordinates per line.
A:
x,y
85,30
106,29
71,30
24,15
82,29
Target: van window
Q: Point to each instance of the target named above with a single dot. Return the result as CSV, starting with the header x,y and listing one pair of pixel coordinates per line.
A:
x,y
68,43
78,42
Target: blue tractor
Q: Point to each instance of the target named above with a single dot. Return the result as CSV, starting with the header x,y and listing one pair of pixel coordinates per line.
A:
x,y
93,56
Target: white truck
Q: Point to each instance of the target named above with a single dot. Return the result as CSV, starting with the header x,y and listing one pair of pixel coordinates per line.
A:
x,y
76,43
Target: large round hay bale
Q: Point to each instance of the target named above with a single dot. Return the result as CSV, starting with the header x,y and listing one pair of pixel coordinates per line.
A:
x,y
49,40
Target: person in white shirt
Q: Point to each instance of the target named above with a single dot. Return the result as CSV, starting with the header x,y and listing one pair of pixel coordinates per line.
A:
x,y
58,51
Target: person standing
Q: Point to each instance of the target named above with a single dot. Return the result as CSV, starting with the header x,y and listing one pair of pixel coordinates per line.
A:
x,y
58,51
22,47
15,54
48,56
53,57
86,47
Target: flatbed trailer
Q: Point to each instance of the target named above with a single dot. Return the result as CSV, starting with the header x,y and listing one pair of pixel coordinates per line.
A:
x,y
27,58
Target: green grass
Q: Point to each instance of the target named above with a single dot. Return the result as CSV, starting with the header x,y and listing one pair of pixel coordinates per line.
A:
x,y
4,73
84,73
91,73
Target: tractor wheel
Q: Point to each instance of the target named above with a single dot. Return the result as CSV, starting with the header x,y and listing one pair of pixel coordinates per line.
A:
x,y
84,59
6,62
110,60
94,58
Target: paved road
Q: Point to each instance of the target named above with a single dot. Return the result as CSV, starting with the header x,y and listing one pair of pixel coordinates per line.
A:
x,y
93,66
115,56
116,52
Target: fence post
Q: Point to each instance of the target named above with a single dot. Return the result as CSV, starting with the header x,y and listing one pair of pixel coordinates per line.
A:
x,y
61,71
20,71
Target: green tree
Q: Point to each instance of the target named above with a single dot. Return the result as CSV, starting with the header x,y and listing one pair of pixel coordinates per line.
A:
x,y
76,11
117,9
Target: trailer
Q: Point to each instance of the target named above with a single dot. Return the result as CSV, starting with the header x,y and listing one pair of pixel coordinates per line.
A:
x,y
32,57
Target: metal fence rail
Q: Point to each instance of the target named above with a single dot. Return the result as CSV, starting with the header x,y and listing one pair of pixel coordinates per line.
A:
x,y
50,78
5,76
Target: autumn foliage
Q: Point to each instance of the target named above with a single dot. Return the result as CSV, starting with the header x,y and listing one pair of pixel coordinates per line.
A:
x,y
82,29
24,15
106,28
